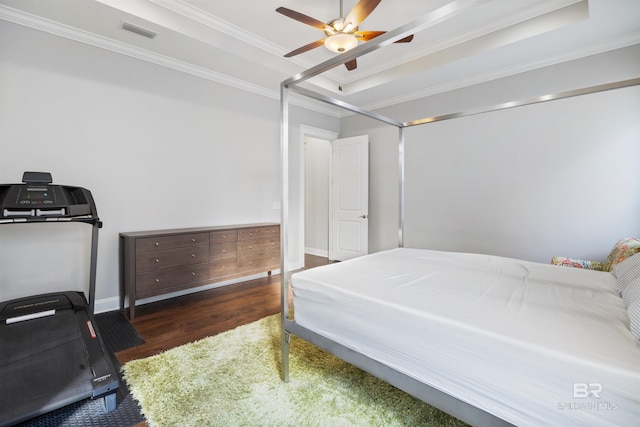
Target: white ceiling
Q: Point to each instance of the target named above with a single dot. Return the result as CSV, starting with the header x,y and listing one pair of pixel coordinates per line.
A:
x,y
242,42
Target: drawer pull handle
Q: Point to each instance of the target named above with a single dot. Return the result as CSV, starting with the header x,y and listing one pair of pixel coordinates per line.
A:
x,y
193,255
224,237
250,247
157,280
193,273
250,262
157,244
193,240
157,260
224,251
224,268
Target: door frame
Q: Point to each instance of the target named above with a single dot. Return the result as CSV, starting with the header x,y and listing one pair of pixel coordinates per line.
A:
x,y
307,131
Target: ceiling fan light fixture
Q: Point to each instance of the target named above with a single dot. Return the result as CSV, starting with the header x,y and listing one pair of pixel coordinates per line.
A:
x,y
342,34
349,28
341,42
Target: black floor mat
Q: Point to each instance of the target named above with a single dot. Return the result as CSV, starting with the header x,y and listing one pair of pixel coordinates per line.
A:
x,y
118,334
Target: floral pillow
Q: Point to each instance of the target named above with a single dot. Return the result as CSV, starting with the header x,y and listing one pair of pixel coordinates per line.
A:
x,y
622,250
577,263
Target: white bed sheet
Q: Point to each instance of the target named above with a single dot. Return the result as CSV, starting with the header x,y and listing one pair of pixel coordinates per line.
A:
x,y
532,343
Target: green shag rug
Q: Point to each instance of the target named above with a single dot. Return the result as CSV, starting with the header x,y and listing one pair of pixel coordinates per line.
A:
x,y
233,379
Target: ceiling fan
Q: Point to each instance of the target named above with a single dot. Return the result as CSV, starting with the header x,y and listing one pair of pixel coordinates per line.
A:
x,y
342,34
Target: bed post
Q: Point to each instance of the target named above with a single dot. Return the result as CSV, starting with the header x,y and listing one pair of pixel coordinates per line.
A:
x,y
401,187
284,230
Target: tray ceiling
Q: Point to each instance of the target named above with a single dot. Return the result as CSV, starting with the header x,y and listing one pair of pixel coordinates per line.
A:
x,y
242,42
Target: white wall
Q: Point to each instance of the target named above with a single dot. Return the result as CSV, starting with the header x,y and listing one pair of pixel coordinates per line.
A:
x,y
158,149
161,149
558,178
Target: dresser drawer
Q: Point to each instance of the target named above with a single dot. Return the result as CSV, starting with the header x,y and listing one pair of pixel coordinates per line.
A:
x,y
223,236
259,263
271,232
223,267
171,242
157,281
223,251
248,247
158,260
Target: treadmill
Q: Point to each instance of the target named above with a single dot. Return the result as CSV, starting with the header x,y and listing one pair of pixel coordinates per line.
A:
x,y
51,352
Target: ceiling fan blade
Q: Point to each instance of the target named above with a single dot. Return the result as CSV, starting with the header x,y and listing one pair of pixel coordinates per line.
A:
x,y
351,65
305,48
365,36
360,11
405,40
301,17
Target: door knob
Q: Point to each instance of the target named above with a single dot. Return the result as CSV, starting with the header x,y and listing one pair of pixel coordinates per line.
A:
x,y
363,216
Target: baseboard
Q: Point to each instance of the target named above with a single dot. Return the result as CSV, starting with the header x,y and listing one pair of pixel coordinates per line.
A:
x,y
107,304
317,252
113,303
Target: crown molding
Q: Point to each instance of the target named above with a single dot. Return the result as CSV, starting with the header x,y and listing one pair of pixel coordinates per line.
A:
x,y
62,30
66,31
613,44
198,15
466,36
190,12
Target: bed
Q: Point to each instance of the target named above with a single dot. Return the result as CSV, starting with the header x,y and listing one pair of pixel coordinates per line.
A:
x,y
522,342
489,340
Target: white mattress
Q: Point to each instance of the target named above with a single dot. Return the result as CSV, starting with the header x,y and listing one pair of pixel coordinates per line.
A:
x,y
532,343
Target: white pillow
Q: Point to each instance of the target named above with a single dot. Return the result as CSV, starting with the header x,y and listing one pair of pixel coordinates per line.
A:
x,y
627,271
631,293
634,316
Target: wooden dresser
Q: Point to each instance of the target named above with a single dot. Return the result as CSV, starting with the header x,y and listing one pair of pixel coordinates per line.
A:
x,y
158,262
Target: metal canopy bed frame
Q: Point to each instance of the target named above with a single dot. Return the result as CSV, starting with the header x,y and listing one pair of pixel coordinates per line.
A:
x,y
443,401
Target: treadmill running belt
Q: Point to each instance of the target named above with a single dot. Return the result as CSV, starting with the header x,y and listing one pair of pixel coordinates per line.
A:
x,y
44,368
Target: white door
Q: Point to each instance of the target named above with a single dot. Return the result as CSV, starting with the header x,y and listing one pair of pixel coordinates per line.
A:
x,y
349,231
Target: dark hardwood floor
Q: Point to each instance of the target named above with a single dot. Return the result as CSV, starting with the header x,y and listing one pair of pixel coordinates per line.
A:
x,y
176,321
173,322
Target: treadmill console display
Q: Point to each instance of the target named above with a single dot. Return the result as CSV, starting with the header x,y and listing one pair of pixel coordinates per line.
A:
x,y
39,200
36,195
